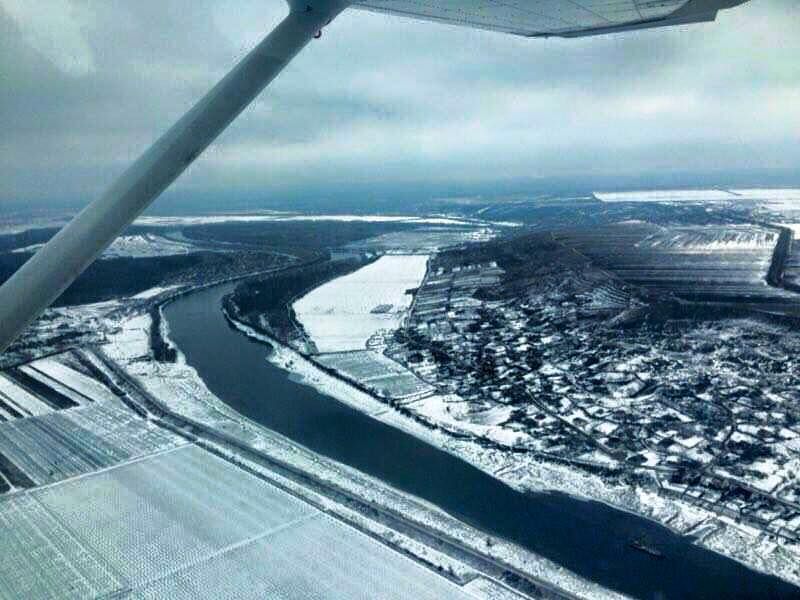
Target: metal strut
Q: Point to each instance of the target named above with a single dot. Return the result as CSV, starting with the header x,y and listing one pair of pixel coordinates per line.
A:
x,y
50,271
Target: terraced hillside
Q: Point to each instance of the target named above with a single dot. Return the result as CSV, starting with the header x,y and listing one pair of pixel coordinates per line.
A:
x,y
711,263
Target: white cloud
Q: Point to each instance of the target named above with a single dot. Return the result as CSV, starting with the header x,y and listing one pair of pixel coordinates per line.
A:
x,y
383,98
57,29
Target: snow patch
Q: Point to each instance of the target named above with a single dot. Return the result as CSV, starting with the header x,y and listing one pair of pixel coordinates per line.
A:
x,y
340,315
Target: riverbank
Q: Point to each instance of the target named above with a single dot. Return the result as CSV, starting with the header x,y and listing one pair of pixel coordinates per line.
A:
x,y
179,386
546,525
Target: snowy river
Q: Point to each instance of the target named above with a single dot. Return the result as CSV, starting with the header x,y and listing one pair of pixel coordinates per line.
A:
x,y
588,538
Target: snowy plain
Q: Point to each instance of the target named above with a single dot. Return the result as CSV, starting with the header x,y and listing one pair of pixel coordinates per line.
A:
x,y
134,246
339,314
778,196
278,216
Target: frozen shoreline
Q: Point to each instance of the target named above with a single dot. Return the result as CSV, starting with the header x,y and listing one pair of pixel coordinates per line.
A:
x,y
180,387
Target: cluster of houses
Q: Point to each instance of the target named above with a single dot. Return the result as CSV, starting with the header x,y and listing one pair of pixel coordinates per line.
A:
x,y
708,411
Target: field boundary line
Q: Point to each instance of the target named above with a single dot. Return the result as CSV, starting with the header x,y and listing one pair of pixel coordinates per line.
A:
x,y
314,514
134,460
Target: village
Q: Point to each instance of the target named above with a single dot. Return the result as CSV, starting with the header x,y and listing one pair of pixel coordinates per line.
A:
x,y
704,411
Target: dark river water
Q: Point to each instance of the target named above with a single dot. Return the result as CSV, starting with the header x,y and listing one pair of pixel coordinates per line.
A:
x,y
588,538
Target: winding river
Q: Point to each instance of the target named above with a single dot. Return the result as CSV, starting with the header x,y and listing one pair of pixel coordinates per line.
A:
x,y
588,538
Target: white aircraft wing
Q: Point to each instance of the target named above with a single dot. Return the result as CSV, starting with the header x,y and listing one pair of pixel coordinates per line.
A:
x,y
563,18
56,265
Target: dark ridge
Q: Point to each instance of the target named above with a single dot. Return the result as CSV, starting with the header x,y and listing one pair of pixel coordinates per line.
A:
x,y
301,238
10,409
55,399
779,256
30,237
113,278
14,474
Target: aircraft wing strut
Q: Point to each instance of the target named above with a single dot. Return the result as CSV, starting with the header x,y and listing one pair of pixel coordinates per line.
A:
x,y
48,273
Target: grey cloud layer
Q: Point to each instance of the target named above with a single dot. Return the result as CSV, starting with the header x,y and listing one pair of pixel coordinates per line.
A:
x,y
388,99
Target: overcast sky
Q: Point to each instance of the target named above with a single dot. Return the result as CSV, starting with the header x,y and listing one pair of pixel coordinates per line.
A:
x,y
86,85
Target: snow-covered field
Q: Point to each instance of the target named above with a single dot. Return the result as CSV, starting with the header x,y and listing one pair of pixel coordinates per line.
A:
x,y
21,400
83,384
202,526
53,384
666,196
278,216
67,443
136,246
782,195
378,373
155,291
146,245
339,314
778,196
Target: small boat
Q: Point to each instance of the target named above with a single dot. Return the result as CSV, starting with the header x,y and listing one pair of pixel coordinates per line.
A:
x,y
643,546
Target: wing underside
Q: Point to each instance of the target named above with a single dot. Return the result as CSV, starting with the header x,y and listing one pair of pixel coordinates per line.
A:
x,y
562,18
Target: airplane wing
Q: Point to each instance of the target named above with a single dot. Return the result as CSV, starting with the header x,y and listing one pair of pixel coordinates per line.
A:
x,y
59,262
562,18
